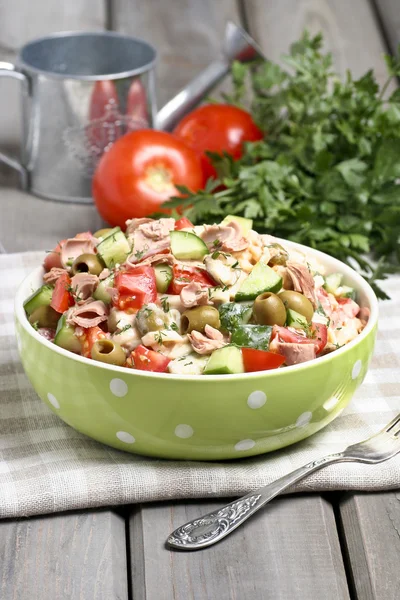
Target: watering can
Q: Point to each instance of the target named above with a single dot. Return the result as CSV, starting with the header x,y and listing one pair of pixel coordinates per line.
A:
x,y
81,91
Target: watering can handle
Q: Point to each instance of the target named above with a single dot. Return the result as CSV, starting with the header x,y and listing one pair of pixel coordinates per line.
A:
x,y
9,70
191,95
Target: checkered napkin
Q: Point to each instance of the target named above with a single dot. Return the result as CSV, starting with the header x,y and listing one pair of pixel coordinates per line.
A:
x,y
45,466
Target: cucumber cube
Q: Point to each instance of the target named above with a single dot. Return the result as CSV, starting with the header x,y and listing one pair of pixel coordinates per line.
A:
x,y
225,361
261,279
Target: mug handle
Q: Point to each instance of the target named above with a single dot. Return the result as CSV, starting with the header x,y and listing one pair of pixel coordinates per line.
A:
x,y
9,70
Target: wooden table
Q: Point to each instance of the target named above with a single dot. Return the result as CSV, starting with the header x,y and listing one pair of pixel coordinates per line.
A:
x,y
303,547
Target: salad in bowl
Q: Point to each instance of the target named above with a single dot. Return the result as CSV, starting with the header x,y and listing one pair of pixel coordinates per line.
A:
x,y
170,297
194,342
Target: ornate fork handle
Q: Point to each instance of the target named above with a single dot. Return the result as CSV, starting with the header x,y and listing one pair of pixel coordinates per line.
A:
x,y
214,526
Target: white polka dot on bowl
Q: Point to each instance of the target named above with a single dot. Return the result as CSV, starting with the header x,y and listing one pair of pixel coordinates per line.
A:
x,y
118,387
125,437
183,431
256,399
304,419
244,445
356,369
53,400
331,403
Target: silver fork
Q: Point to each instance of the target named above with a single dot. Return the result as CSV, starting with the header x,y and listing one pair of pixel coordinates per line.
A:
x,y
214,526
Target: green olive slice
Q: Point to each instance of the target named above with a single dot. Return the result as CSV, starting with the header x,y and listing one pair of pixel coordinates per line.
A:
x,y
87,263
108,351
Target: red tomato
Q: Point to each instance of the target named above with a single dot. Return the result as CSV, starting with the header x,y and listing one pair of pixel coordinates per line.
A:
x,y
53,258
260,360
321,336
183,223
139,173
89,337
184,275
136,287
217,128
149,360
320,333
61,299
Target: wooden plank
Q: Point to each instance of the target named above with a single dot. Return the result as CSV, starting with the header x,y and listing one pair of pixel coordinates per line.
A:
x,y
20,22
389,13
30,223
350,30
76,556
371,532
290,549
186,33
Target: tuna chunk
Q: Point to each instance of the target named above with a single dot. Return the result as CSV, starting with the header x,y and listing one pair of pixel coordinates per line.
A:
x,y
303,281
83,286
228,238
86,315
74,247
150,238
133,224
206,343
52,276
194,295
295,353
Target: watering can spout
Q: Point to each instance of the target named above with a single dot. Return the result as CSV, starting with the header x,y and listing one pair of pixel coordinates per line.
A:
x,y
237,45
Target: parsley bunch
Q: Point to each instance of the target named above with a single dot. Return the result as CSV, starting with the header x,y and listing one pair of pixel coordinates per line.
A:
x,y
327,172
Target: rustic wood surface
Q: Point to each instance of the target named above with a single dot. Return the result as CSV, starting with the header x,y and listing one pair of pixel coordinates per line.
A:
x,y
289,550
349,28
28,222
371,535
186,33
292,549
389,13
76,556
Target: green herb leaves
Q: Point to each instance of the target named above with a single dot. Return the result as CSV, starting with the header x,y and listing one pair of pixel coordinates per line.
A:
x,y
327,173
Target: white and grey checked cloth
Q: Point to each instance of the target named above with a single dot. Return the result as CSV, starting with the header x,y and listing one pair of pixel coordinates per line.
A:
x,y
45,466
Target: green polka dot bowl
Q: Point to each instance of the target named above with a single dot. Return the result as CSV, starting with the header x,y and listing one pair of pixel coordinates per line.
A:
x,y
197,417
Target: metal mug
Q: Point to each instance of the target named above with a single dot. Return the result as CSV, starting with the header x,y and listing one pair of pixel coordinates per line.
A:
x,y
80,91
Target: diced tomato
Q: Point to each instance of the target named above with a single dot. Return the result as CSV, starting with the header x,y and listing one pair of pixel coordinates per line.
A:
x,y
89,337
183,223
323,297
53,258
287,335
318,331
321,336
260,360
135,288
62,299
183,275
349,307
149,360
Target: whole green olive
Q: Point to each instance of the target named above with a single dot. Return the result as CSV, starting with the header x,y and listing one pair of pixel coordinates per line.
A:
x,y
102,233
108,351
87,263
297,302
200,316
44,316
269,309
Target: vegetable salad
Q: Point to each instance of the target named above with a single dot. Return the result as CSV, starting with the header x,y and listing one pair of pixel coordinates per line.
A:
x,y
167,296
